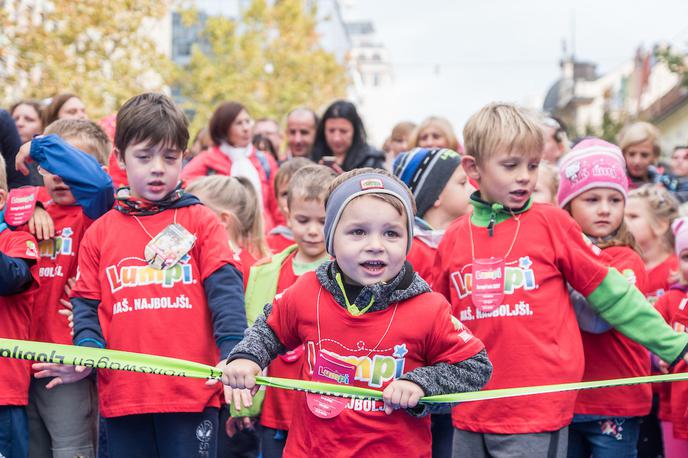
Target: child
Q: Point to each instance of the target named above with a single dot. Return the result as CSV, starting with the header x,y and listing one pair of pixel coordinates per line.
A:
x,y
235,202
71,159
607,420
505,270
649,212
306,216
18,281
368,306
280,237
545,191
144,286
672,306
441,190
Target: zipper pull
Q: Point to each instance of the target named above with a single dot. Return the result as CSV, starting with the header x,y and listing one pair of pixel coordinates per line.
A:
x,y
490,226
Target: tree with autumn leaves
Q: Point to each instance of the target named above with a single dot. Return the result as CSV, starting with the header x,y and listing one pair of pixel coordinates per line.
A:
x,y
269,57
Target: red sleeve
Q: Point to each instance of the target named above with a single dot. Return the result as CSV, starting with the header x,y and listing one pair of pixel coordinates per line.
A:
x,y
194,169
212,243
582,263
440,272
450,341
284,322
21,245
87,281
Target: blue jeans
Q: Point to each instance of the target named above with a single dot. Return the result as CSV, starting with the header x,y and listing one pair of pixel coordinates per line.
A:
x,y
604,438
14,432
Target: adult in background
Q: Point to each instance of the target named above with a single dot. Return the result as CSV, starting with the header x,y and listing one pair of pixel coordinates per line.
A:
x,y
233,154
341,140
435,132
302,124
64,106
28,119
556,141
640,145
679,161
10,141
268,127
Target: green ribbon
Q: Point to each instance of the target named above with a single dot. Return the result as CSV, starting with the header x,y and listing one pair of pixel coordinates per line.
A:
x,y
150,364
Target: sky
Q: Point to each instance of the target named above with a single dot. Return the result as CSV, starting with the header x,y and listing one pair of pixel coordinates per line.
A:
x,y
450,58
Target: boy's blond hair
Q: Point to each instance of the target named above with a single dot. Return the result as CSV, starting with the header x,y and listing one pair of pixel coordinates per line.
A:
x,y
91,137
393,201
3,174
502,127
310,183
288,169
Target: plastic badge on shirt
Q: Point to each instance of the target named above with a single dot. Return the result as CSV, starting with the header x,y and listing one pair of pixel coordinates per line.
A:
x,y
329,369
169,247
488,283
20,205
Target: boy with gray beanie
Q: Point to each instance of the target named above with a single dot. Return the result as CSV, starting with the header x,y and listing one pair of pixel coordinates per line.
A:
x,y
368,320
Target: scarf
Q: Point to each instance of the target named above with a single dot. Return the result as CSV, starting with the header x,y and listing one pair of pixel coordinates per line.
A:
x,y
242,165
137,206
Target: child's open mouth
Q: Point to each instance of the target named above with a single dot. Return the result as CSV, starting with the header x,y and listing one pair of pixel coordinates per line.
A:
x,y
373,267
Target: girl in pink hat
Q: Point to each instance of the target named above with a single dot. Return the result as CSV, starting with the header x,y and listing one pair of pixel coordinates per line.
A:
x,y
593,189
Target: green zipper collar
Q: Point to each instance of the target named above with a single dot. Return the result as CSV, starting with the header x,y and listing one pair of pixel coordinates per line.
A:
x,y
488,215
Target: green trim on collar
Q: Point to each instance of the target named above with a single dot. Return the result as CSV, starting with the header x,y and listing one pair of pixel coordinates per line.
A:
x,y
487,214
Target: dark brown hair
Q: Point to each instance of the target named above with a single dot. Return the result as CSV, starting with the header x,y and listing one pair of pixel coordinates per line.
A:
x,y
222,118
153,118
50,114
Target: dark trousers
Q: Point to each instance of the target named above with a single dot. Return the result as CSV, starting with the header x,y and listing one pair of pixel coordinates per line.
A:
x,y
272,442
167,435
604,438
14,432
244,444
442,435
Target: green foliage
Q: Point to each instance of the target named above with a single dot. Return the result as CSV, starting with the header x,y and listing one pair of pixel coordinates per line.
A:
x,y
269,59
101,50
676,61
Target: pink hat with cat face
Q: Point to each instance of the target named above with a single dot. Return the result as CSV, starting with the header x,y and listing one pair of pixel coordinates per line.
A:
x,y
592,163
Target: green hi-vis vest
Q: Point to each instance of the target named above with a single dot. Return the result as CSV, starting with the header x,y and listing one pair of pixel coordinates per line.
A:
x,y
261,290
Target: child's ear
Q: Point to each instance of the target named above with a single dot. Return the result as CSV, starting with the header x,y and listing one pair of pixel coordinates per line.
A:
x,y
659,228
470,166
120,158
3,198
226,218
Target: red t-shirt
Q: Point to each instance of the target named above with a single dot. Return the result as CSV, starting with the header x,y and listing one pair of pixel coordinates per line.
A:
x,y
533,337
422,332
246,260
278,404
15,318
278,242
657,285
658,278
672,306
160,312
612,355
57,264
422,258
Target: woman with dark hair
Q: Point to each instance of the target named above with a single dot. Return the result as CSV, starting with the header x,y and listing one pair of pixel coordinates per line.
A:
x,y
341,140
28,119
64,106
233,154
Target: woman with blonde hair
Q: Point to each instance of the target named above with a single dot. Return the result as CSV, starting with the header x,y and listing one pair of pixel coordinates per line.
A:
x,y
639,143
435,132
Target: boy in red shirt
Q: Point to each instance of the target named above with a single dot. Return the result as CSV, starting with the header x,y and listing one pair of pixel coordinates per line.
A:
x,y
505,268
365,319
71,158
280,236
156,275
441,190
18,281
305,217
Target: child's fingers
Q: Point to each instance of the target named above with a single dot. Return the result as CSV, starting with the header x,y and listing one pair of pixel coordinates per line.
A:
x,y
32,226
230,427
414,399
246,398
254,390
54,382
236,398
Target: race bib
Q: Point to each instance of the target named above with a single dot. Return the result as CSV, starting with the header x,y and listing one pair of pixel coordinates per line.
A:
x,y
330,369
488,283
